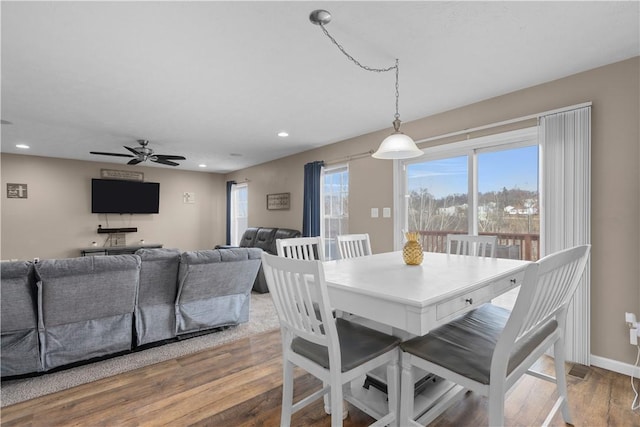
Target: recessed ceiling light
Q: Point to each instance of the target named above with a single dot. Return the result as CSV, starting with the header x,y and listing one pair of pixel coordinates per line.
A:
x,y
202,165
283,134
23,146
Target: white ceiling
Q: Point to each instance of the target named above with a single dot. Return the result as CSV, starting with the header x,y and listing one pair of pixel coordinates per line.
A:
x,y
216,81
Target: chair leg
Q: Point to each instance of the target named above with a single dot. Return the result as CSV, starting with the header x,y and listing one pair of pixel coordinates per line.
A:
x,y
406,391
561,378
336,404
287,393
327,400
496,403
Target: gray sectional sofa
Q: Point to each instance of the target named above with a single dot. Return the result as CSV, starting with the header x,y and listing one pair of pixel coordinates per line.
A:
x,y
61,312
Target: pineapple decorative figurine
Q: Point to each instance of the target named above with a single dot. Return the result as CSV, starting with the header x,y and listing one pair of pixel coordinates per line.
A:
x,y
412,251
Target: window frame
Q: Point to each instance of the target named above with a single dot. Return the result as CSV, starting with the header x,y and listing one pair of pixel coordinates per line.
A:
x,y
470,147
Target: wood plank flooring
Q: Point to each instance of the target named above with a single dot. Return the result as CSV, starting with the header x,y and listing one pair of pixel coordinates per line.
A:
x,y
240,383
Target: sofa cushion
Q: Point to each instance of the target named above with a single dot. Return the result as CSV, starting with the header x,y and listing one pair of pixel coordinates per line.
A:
x,y
85,307
249,237
18,296
78,289
265,238
214,288
155,310
158,276
20,350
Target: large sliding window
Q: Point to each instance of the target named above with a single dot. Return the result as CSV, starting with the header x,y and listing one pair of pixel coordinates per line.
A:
x,y
481,186
335,207
239,212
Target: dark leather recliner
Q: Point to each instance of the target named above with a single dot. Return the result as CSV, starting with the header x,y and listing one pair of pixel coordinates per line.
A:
x,y
265,239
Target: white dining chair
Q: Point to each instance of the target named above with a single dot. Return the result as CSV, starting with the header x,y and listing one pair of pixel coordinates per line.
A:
x,y
334,350
354,245
488,349
304,248
466,244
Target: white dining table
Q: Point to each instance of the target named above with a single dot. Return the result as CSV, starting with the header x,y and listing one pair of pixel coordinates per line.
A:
x,y
383,292
416,298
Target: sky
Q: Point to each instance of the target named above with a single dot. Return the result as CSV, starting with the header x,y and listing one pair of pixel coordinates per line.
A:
x,y
513,168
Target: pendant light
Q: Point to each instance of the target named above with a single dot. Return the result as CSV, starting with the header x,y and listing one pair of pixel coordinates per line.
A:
x,y
397,145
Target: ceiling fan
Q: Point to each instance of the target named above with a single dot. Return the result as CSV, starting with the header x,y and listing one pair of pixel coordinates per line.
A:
x,y
144,153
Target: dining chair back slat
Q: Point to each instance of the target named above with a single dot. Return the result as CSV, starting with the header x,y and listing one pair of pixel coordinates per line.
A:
x,y
354,245
464,244
303,248
292,293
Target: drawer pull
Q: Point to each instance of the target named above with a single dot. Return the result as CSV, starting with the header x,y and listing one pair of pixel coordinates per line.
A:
x,y
469,300
513,281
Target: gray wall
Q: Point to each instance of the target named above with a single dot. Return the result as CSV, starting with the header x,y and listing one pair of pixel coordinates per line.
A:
x,y
55,221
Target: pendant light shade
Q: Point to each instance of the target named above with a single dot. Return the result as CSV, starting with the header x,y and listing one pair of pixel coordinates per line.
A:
x,y
397,146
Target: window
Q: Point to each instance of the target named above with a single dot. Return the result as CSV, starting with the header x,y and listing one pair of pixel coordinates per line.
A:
x,y
508,200
437,199
335,207
486,185
239,212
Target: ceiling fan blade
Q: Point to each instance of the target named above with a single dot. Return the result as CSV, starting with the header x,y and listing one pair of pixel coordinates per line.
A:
x,y
165,162
110,154
133,150
134,161
169,157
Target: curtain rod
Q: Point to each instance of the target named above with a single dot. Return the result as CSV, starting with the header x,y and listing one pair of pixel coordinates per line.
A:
x,y
506,122
350,157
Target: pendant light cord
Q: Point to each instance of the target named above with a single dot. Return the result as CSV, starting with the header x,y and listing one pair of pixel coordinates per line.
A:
x,y
367,68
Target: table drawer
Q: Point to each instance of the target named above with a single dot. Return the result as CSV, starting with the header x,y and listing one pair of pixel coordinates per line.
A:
x,y
477,297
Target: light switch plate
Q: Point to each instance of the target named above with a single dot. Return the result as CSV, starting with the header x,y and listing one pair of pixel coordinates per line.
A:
x,y
374,213
386,212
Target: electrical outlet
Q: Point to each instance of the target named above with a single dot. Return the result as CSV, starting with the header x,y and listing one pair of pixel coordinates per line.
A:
x,y
634,328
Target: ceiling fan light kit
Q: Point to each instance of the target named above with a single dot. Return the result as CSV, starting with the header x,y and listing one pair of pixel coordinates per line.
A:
x,y
144,153
397,145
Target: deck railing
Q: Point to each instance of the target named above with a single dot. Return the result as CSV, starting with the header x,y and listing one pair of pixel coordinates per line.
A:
x,y
510,245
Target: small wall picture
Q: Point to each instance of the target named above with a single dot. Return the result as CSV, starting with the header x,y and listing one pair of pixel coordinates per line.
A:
x,y
124,175
278,201
16,191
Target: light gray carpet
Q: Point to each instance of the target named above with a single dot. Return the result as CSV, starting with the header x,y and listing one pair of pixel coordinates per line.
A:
x,y
263,318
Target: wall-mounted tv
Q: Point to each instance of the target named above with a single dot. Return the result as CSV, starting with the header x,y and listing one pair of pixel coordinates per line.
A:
x,y
133,197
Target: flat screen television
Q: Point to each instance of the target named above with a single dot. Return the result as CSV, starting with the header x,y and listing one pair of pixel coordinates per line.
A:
x,y
133,197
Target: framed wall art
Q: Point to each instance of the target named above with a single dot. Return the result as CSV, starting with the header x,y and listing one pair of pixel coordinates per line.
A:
x,y
278,201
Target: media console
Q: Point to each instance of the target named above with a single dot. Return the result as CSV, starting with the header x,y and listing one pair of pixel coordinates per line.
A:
x,y
117,230
116,250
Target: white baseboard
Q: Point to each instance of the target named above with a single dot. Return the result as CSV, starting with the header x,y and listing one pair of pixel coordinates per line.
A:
x,y
615,366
